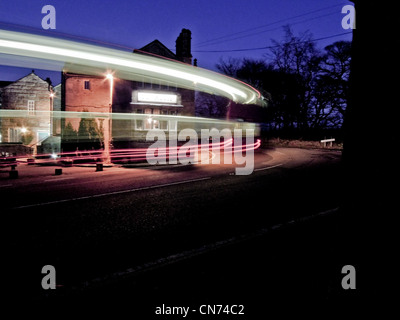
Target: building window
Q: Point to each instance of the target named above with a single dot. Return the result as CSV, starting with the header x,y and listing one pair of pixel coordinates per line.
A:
x,y
149,122
156,123
87,85
139,122
156,85
31,107
140,84
163,125
14,134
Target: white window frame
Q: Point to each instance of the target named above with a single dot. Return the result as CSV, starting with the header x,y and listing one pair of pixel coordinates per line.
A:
x,y
31,107
14,134
148,123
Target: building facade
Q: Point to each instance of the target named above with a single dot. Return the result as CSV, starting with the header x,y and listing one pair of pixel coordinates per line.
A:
x,y
145,98
32,97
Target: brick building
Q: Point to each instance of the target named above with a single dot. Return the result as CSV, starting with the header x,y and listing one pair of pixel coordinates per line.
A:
x,y
150,97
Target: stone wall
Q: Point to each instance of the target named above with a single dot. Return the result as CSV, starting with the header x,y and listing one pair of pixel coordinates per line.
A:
x,y
15,97
14,149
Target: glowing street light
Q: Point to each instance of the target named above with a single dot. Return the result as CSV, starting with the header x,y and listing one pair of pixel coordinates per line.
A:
x,y
51,95
107,144
110,77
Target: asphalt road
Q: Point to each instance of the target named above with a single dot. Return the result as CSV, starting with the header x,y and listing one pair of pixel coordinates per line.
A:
x,y
38,185
180,235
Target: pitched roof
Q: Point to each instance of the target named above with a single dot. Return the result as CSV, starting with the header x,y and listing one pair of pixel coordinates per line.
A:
x,y
157,48
30,75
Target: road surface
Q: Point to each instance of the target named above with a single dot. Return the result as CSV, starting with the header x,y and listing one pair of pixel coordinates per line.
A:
x,y
179,234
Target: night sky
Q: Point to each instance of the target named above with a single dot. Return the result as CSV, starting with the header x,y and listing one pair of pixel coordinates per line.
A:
x,y
220,28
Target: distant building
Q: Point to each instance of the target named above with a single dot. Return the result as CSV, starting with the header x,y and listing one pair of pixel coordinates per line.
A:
x,y
30,95
88,93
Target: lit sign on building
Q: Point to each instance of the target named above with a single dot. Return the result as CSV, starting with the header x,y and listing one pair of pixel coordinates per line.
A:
x,y
157,97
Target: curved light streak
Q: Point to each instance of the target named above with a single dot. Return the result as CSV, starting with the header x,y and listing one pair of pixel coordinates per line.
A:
x,y
13,113
91,59
138,154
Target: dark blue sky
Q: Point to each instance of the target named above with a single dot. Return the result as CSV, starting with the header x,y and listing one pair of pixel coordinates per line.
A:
x,y
217,25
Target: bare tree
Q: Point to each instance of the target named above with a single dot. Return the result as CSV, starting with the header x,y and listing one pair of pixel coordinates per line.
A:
x,y
230,67
336,66
298,56
307,88
209,105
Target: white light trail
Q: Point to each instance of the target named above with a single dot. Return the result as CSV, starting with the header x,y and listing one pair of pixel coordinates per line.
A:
x,y
125,65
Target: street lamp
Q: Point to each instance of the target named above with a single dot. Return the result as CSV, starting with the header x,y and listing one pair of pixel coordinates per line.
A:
x,y
109,76
107,144
51,112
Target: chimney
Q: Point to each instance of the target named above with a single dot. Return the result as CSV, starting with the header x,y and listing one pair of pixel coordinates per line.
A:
x,y
183,46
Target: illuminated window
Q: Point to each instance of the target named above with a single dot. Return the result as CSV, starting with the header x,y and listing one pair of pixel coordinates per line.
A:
x,y
150,122
87,85
156,123
31,107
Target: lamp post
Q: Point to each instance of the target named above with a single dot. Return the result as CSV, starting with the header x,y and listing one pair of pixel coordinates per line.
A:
x,y
51,112
107,144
